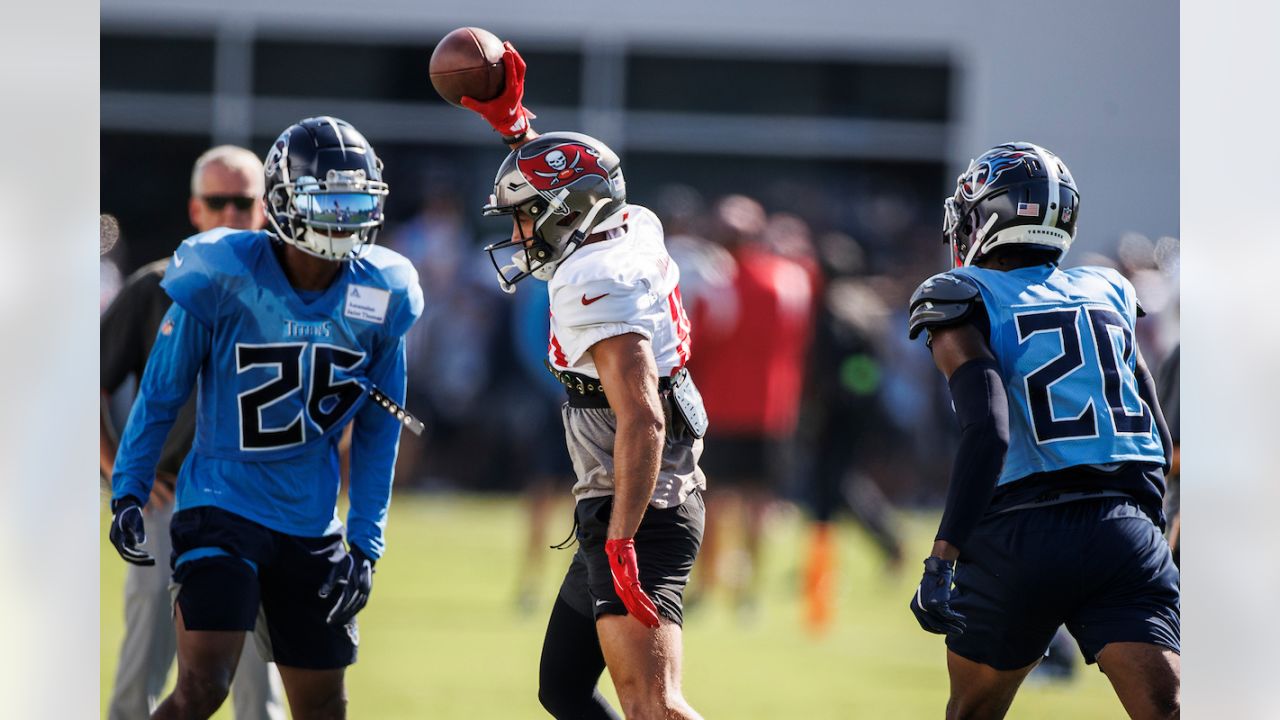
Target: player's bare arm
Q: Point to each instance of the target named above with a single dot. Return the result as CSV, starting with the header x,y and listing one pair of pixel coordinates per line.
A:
x,y
630,378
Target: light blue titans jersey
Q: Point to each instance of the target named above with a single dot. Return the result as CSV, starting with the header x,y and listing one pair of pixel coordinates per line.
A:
x,y
280,373
1064,342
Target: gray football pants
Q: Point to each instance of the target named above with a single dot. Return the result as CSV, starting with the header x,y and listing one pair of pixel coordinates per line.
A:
x,y
150,643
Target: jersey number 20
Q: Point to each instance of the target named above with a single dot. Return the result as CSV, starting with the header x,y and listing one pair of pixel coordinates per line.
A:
x,y
1103,322
326,403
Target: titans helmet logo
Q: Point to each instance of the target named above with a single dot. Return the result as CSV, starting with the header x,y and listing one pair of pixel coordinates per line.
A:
x,y
984,171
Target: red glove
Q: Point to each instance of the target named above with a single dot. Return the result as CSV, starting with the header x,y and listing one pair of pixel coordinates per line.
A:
x,y
626,581
506,113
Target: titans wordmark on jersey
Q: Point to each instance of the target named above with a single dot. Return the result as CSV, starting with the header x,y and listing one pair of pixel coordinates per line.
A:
x,y
1064,341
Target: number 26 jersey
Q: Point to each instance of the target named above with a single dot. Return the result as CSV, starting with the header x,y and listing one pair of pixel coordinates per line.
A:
x,y
1064,341
281,372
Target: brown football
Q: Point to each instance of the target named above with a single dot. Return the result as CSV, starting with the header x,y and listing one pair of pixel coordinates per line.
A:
x,y
468,61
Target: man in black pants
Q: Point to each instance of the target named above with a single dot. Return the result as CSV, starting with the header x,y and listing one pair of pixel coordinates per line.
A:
x,y
633,422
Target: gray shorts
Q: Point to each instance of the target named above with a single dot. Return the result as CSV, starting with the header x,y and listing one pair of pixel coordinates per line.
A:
x,y
589,433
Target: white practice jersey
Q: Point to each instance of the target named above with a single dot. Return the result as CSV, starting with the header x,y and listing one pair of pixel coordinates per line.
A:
x,y
626,283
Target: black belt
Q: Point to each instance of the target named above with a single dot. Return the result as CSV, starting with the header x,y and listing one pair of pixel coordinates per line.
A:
x,y
585,391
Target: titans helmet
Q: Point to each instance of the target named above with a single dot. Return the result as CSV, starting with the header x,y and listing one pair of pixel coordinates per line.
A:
x,y
325,194
570,185
1013,194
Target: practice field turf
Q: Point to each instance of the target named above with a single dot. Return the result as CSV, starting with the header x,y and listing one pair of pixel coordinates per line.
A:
x,y
442,636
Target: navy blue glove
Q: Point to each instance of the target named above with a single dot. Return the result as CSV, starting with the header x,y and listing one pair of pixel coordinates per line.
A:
x,y
128,532
349,584
932,601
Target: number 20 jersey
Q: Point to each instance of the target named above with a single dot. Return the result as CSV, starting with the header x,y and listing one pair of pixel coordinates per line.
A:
x,y
1064,341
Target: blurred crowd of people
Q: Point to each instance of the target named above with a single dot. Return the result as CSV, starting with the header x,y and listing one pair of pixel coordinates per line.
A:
x,y
799,348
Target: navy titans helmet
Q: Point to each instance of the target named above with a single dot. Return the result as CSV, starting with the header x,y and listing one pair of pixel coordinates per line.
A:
x,y
1017,193
325,194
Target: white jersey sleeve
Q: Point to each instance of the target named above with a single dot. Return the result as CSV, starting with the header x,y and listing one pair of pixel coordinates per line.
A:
x,y
625,284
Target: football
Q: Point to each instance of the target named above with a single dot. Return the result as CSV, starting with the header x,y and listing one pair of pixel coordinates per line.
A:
x,y
468,61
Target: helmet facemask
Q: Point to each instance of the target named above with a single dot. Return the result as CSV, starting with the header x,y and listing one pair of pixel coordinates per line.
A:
x,y
334,218
535,254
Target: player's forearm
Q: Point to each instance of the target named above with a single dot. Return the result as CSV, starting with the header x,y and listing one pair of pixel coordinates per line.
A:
x,y
375,442
982,409
637,455
1147,391
373,457
171,372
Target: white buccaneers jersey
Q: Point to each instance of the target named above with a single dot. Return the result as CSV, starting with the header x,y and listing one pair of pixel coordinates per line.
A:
x,y
626,283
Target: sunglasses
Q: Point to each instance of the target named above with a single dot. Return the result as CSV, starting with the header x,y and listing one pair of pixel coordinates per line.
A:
x,y
217,202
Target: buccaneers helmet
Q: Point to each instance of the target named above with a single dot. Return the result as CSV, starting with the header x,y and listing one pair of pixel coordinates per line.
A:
x,y
1013,194
570,185
325,194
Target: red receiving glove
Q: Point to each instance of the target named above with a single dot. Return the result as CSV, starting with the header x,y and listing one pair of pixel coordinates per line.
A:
x,y
626,581
506,113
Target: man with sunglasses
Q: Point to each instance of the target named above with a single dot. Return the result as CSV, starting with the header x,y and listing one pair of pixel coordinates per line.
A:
x,y
226,191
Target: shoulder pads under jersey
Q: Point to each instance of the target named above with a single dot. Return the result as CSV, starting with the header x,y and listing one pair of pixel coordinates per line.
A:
x,y
396,274
944,299
206,267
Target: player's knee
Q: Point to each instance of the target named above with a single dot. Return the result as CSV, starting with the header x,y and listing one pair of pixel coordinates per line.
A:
x,y
1166,703
651,703
329,705
557,699
991,707
202,693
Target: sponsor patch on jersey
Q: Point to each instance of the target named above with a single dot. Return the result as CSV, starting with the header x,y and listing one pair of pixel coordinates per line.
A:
x,y
367,303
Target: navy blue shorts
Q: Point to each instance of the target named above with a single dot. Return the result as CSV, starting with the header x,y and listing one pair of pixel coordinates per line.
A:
x,y
667,543
1100,567
232,574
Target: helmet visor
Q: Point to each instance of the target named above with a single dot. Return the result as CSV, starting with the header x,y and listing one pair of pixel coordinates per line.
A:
x,y
339,210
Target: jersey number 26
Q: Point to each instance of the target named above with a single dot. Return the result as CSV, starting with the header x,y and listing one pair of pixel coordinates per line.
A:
x,y
326,401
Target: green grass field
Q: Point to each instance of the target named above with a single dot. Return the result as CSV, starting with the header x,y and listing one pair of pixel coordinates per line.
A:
x,y
442,637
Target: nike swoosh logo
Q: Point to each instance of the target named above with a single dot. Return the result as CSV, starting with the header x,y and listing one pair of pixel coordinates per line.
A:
x,y
177,260
601,602
585,301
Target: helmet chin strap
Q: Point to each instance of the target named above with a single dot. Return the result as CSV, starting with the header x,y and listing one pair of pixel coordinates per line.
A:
x,y
579,234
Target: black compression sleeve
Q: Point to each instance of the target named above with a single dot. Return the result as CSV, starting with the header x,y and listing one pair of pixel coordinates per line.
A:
x,y
983,411
1147,391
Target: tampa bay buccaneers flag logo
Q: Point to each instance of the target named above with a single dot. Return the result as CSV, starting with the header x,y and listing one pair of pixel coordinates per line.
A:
x,y
560,165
